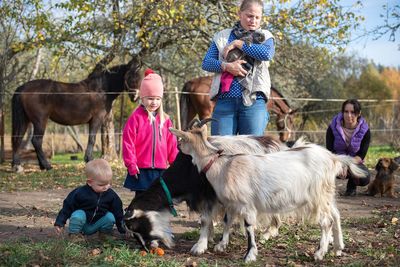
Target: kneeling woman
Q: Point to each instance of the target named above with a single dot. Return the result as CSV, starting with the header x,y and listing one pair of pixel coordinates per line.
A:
x,y
349,134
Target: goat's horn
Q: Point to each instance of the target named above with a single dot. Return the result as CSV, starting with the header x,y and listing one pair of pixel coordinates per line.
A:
x,y
202,122
192,123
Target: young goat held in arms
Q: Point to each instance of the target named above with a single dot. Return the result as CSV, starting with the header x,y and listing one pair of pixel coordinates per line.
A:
x,y
148,215
299,180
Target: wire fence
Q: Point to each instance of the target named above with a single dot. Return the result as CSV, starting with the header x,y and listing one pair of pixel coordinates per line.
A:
x,y
59,142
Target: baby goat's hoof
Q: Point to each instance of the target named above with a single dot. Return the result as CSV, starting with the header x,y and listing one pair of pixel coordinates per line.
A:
x,y
338,253
251,256
198,249
319,255
220,247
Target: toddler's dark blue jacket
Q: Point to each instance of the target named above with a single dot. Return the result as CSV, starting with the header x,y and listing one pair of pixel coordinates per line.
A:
x,y
95,205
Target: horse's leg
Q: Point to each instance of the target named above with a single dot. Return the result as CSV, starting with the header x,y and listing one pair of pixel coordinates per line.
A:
x,y
20,123
37,141
94,126
19,129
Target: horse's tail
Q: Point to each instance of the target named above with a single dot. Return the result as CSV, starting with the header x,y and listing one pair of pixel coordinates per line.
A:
x,y
184,103
19,120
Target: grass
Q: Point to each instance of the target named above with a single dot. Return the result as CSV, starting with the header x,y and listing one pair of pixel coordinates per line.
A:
x,y
66,173
65,253
370,241
377,152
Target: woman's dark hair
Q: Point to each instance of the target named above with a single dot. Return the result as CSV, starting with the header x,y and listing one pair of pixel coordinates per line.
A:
x,y
246,3
355,103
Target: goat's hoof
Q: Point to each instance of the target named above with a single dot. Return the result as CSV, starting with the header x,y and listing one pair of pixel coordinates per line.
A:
x,y
18,169
198,249
269,234
220,247
251,256
319,255
338,253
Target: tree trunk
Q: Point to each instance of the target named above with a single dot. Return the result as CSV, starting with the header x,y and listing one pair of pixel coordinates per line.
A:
x,y
108,138
2,93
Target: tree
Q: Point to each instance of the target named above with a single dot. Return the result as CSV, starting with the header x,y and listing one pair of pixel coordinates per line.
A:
x,y
172,35
391,22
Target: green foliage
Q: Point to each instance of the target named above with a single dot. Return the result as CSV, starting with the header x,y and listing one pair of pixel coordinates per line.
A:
x,y
377,152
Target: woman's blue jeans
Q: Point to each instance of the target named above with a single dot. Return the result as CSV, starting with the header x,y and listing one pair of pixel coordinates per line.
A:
x,y
78,223
234,118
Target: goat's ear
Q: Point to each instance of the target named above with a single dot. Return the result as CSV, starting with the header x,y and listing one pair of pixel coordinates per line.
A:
x,y
178,134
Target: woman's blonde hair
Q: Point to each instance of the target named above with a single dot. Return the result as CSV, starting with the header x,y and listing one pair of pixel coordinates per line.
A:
x,y
246,3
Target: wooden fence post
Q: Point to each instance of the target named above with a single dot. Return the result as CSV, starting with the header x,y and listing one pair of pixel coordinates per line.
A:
x,y
178,108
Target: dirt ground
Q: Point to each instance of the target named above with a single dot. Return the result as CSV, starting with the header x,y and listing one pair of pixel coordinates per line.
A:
x,y
31,214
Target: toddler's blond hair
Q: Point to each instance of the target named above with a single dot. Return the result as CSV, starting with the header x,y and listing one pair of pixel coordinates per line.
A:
x,y
99,170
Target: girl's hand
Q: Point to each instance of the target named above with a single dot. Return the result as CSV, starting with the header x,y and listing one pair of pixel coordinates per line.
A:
x,y
235,68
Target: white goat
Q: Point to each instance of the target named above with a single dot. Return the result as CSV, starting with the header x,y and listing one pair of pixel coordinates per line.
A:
x,y
147,215
299,180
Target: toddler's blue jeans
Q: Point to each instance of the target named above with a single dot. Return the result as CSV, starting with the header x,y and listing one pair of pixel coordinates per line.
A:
x,y
78,223
235,118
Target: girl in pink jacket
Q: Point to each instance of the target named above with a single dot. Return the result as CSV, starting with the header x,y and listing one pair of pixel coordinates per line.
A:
x,y
148,147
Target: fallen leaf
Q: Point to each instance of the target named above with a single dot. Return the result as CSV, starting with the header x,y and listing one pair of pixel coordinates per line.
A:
x,y
190,263
95,252
394,220
109,258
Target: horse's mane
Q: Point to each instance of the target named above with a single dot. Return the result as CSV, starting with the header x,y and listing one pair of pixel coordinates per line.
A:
x,y
106,71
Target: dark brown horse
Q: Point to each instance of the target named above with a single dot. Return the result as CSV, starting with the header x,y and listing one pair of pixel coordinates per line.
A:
x,y
196,101
88,101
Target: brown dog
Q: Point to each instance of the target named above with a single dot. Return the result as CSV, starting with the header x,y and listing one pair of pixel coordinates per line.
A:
x,y
384,179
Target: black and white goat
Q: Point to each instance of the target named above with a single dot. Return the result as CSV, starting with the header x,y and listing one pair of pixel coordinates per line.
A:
x,y
299,180
148,215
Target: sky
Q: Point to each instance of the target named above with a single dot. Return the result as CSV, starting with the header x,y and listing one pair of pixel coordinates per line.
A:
x,y
381,51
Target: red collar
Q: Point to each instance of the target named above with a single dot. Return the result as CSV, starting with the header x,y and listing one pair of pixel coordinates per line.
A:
x,y
212,160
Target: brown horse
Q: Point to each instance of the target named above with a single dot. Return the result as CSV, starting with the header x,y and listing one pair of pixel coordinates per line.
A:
x,y
88,101
195,100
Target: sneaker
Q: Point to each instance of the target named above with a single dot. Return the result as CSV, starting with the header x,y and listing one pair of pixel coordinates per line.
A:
x,y
350,193
76,238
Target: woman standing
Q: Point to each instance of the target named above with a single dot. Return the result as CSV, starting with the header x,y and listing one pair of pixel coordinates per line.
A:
x,y
241,87
349,134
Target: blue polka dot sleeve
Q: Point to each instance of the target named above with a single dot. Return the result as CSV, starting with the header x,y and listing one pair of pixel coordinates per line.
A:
x,y
211,63
262,52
